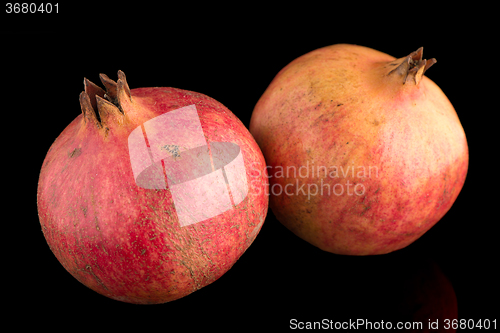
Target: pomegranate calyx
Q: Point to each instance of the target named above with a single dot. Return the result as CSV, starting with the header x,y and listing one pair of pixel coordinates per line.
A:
x,y
412,67
98,105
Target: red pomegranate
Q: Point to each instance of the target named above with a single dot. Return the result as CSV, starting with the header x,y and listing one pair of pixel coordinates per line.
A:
x,y
151,193
365,152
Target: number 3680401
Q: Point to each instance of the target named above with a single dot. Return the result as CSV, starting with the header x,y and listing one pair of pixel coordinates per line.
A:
x,y
32,8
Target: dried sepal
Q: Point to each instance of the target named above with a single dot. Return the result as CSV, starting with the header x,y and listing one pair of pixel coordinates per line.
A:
x,y
88,111
107,111
429,63
123,88
110,86
401,66
417,55
418,71
92,91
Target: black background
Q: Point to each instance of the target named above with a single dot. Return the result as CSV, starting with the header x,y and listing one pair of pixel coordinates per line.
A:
x,y
232,54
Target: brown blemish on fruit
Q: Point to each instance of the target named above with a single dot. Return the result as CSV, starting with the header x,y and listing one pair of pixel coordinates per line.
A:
x,y
88,269
75,152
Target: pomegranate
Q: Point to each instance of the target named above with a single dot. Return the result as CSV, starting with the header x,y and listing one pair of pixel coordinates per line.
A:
x,y
364,152
151,193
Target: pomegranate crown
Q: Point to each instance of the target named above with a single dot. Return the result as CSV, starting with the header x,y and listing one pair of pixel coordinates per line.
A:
x,y
412,67
98,105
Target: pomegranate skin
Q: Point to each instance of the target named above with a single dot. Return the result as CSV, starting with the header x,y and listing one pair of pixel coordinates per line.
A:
x,y
125,241
382,151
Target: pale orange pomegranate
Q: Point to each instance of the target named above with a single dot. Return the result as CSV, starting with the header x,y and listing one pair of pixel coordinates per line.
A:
x,y
364,152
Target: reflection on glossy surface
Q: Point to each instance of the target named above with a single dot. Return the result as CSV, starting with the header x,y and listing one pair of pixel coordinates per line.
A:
x,y
406,286
427,296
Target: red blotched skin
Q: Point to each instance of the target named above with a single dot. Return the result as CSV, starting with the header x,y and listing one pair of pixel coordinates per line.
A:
x,y
124,241
382,161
